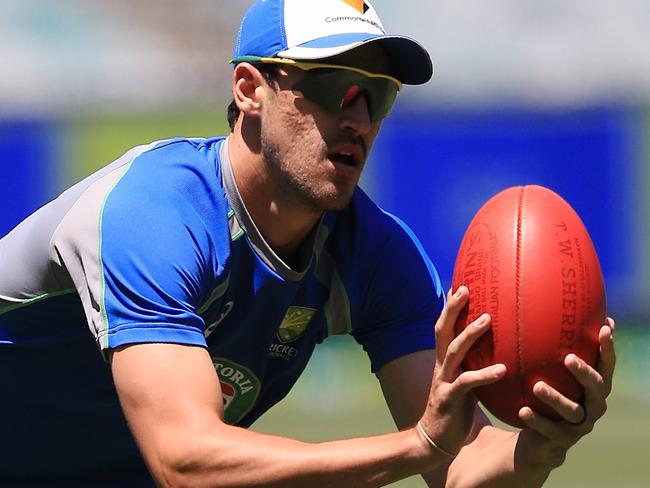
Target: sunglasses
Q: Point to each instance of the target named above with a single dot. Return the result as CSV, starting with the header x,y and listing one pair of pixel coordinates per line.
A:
x,y
334,87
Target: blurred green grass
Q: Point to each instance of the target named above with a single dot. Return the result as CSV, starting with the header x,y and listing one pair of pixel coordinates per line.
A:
x,y
337,397
94,141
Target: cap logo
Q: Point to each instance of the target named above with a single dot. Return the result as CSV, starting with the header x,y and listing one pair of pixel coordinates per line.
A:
x,y
359,5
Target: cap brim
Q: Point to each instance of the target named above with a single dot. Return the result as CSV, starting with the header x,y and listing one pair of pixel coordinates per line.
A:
x,y
410,61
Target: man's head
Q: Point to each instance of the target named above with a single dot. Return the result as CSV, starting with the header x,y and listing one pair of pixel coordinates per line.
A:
x,y
320,31
313,80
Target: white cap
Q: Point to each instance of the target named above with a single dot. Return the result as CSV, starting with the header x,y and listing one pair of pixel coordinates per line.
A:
x,y
317,29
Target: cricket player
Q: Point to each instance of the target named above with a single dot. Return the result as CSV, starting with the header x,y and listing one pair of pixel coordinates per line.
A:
x,y
156,309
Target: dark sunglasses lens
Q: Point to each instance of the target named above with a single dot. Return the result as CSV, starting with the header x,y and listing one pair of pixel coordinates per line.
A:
x,y
382,104
333,89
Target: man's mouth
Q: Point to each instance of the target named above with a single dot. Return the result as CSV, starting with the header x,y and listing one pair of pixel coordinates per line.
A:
x,y
344,158
348,154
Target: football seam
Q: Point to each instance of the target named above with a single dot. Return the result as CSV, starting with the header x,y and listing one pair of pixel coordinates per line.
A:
x,y
518,307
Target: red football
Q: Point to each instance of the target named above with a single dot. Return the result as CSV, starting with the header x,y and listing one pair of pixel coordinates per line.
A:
x,y
529,262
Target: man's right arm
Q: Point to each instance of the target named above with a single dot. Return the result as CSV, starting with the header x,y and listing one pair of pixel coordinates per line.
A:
x,y
172,401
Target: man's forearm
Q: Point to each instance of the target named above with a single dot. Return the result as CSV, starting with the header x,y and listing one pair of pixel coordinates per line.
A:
x,y
237,457
185,442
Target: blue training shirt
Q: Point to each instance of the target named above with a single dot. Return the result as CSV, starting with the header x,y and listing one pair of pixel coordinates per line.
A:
x,y
159,247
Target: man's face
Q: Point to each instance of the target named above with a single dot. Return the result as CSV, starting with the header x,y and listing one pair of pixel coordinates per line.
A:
x,y
316,157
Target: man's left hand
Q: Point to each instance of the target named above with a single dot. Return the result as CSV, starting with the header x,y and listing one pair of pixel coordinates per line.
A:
x,y
547,441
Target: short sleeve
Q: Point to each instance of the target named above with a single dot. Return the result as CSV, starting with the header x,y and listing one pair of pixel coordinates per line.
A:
x,y
146,244
403,298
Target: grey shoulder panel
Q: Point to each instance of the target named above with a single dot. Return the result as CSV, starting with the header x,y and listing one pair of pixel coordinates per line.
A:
x,y
31,266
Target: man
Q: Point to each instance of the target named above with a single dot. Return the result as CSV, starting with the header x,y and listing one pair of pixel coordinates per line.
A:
x,y
194,262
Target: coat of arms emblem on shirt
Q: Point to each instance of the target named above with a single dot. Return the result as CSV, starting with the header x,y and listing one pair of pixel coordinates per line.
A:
x,y
294,323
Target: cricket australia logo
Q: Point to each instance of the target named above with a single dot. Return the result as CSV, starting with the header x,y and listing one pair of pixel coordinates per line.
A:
x,y
239,388
294,323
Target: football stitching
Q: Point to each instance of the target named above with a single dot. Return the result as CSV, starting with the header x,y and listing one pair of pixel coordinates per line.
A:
x,y
518,290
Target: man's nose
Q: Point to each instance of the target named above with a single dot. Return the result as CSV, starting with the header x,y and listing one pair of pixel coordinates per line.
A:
x,y
355,113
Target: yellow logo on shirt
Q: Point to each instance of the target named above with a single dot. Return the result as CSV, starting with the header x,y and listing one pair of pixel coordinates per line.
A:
x,y
294,323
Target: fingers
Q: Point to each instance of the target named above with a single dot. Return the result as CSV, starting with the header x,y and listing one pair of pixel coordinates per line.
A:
x,y
569,410
458,348
539,423
596,392
472,379
445,324
590,379
607,356
456,352
597,385
579,419
560,434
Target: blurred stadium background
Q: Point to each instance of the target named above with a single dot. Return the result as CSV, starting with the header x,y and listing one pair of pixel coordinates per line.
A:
x,y
554,93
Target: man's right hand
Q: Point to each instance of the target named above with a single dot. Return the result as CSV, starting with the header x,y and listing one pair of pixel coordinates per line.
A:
x,y
449,415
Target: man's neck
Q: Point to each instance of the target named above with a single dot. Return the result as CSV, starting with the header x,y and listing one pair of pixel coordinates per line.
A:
x,y
284,225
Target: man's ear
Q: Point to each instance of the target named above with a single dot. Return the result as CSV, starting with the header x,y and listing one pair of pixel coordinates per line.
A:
x,y
248,89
